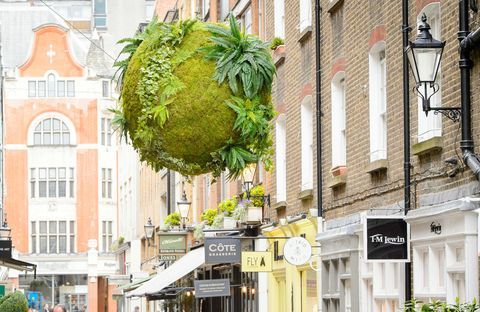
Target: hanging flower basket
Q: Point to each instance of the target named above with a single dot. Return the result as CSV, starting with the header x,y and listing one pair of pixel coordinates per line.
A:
x,y
196,97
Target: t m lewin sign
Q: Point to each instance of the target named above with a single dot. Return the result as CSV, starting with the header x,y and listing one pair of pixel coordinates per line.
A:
x,y
386,239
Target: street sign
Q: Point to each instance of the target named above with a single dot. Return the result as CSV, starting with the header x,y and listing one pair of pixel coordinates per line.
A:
x,y
6,248
172,243
256,261
212,288
222,250
386,239
297,250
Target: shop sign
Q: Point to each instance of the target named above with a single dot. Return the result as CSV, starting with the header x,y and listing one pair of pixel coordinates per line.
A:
x,y
167,257
387,239
172,244
297,250
220,250
212,288
256,261
6,248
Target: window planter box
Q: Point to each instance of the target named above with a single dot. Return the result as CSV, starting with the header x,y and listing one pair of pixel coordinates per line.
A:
x,y
229,223
338,171
254,214
279,55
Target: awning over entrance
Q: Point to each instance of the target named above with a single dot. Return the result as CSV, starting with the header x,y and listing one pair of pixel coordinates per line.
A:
x,y
177,270
18,265
122,290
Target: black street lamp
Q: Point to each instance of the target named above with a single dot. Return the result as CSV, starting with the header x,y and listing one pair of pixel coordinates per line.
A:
x,y
424,55
149,229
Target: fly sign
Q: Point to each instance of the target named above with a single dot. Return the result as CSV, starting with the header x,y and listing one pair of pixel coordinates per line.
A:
x,y
256,261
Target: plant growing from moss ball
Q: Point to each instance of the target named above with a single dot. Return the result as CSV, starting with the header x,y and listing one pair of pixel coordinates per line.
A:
x,y
209,216
173,219
227,206
176,72
256,195
276,42
415,305
14,302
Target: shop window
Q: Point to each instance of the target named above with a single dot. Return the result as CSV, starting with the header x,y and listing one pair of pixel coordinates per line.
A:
x,y
279,18
339,146
378,102
431,126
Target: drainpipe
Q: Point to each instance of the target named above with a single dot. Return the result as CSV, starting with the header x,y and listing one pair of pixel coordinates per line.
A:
x,y
318,86
467,42
406,137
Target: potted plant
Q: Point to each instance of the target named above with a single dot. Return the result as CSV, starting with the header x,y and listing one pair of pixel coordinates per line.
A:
x,y
227,207
255,208
240,212
198,233
276,42
172,220
209,216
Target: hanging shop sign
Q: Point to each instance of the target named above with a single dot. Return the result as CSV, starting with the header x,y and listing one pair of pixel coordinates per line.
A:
x,y
297,250
172,243
387,239
436,227
256,261
212,288
220,250
6,248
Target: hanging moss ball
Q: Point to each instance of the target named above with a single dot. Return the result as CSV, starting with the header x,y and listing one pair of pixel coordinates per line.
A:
x,y
175,111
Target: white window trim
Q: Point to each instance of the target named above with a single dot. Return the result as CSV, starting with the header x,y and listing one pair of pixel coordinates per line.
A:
x,y
339,148
306,115
279,18
305,14
431,126
67,121
281,157
378,103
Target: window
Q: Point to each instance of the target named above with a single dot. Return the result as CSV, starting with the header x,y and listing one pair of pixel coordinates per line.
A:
x,y
106,131
42,88
61,88
51,131
246,21
205,7
105,88
51,182
52,237
378,102
305,14
70,88
106,183
224,6
32,88
431,126
307,143
100,13
51,85
279,18
107,235
280,153
339,147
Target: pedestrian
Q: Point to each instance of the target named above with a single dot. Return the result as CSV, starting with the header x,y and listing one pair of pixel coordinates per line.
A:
x,y
137,309
84,308
45,308
59,308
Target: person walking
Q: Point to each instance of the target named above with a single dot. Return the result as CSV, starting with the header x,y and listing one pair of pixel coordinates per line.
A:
x,y
59,308
45,308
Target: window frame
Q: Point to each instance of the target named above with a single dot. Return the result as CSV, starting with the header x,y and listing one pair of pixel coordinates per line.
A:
x,y
338,129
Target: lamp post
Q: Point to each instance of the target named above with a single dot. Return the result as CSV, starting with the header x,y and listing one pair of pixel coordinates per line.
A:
x,y
424,56
149,229
184,208
5,231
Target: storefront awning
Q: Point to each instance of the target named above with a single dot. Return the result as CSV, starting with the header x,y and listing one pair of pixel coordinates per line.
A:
x,y
176,271
19,265
121,290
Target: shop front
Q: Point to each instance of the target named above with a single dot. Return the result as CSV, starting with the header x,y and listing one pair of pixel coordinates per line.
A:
x,y
292,287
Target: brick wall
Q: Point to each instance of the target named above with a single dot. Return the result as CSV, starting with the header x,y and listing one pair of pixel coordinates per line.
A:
x,y
346,35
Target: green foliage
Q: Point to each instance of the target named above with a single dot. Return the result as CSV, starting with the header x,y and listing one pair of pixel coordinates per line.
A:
x,y
175,110
198,232
415,305
276,42
242,58
227,206
172,219
256,195
209,216
218,221
240,211
14,302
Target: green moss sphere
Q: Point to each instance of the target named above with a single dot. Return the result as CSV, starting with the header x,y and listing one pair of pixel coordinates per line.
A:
x,y
14,302
199,122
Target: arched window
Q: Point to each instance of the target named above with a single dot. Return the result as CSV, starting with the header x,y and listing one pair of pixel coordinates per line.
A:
x,y
51,85
51,131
